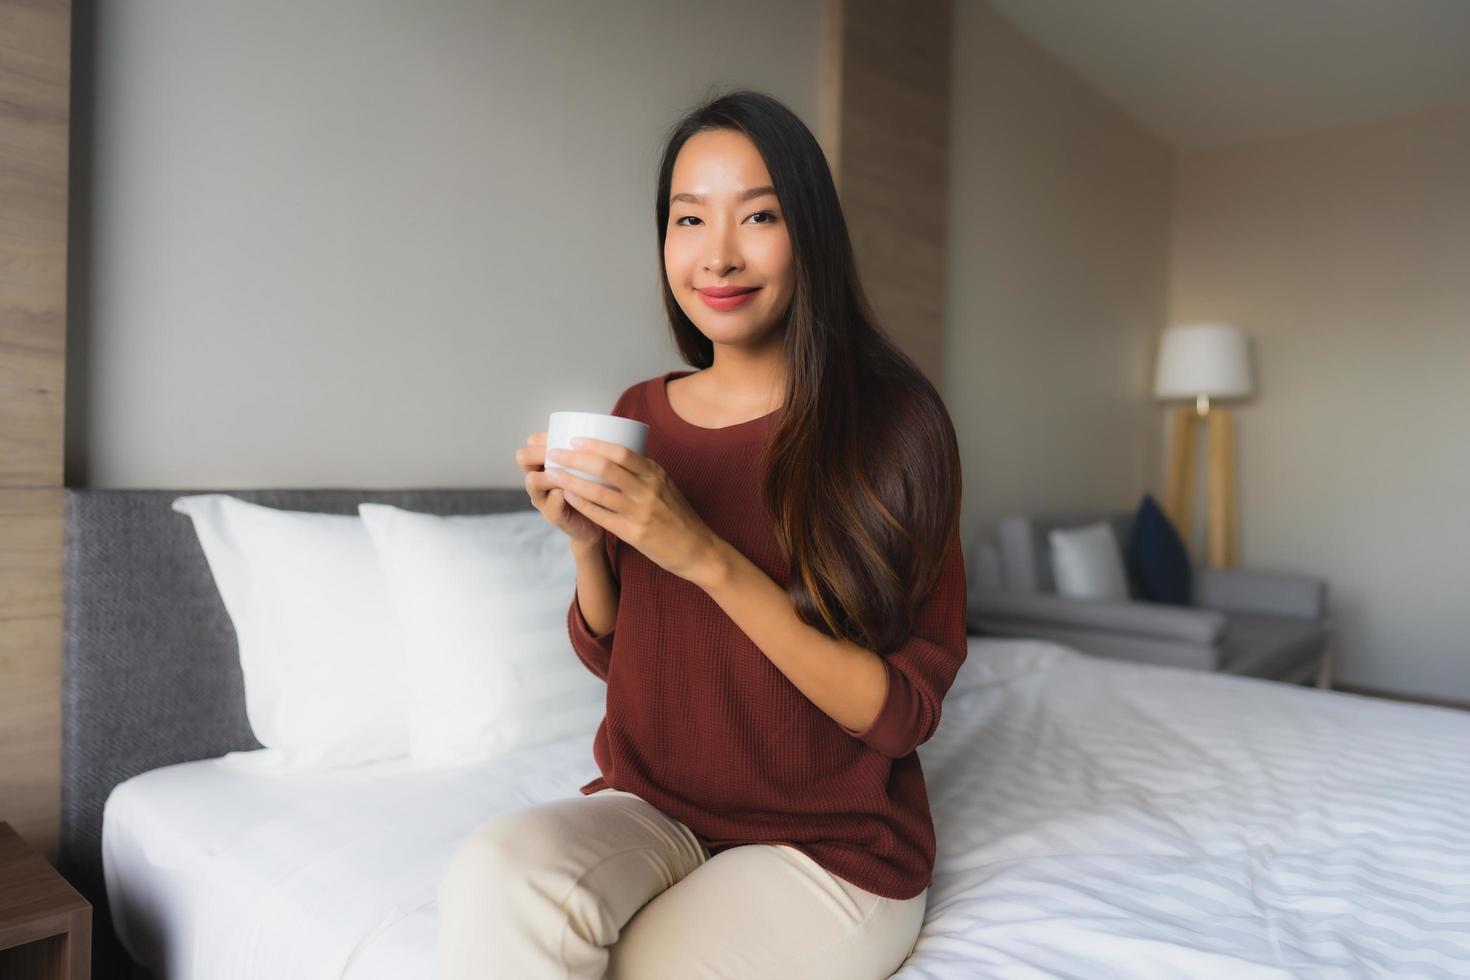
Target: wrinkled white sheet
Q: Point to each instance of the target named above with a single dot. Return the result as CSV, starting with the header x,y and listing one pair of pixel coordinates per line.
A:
x,y
1095,818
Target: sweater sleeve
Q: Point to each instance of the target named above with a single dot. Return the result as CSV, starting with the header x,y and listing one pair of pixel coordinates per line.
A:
x,y
595,650
921,670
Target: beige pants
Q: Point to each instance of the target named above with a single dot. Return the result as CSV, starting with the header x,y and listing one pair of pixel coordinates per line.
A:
x,y
607,886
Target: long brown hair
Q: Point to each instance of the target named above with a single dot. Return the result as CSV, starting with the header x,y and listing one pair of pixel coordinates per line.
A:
x,y
863,469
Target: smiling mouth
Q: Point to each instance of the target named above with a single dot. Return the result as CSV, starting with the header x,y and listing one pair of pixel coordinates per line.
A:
x,y
725,292
729,303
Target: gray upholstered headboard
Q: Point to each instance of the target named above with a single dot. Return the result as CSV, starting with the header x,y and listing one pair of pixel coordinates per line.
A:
x,y
150,668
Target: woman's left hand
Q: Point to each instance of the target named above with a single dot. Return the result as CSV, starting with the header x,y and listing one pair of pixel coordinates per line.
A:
x,y
642,507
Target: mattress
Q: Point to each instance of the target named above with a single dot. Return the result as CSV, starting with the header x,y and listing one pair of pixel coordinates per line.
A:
x,y
1094,818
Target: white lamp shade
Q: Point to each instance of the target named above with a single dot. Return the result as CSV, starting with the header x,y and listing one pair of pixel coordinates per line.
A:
x,y
1203,359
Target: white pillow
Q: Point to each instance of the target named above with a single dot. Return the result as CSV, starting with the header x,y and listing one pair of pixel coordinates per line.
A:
x,y
1087,563
482,603
323,663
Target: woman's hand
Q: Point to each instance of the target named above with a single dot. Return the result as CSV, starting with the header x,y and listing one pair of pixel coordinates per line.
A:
x,y
642,507
546,495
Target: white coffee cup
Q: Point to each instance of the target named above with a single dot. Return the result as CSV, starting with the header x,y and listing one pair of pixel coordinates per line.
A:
x,y
565,426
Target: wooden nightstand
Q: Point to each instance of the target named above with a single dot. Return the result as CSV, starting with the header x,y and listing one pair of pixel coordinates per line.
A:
x,y
45,926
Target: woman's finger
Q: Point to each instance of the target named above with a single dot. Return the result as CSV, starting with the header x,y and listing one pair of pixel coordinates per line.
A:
x,y
610,499
617,454
536,486
529,458
604,469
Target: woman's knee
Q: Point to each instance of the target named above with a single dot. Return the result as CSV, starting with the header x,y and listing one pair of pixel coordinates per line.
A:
x,y
504,845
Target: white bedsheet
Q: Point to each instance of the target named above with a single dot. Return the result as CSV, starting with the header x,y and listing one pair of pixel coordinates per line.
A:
x,y
1094,818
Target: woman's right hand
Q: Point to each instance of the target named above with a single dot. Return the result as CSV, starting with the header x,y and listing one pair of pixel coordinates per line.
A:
x,y
549,499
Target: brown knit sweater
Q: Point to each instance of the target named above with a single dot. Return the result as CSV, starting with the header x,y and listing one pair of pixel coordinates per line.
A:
x,y
701,725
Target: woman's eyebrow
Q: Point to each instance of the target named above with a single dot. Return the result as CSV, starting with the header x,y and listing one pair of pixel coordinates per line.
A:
x,y
745,195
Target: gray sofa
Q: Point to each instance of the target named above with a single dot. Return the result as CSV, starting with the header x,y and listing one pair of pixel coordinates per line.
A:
x,y
1240,621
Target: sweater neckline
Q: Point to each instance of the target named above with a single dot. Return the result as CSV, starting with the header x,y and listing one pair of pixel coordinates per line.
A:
x,y
740,433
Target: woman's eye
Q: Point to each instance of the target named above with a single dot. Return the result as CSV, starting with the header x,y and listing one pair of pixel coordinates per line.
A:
x,y
679,221
767,214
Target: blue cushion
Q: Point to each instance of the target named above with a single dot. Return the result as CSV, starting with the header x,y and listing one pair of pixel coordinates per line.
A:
x,y
1156,557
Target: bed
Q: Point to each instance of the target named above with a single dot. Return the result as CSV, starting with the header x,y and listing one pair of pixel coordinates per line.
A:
x,y
1095,817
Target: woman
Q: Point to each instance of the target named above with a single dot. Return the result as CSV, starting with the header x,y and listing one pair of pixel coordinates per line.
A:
x,y
775,595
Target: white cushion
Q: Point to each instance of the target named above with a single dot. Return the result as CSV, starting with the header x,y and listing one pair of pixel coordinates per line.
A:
x,y
322,661
482,602
1087,563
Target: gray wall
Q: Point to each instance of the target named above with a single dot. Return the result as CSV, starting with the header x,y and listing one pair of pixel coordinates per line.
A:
x,y
1346,255
373,243
1057,281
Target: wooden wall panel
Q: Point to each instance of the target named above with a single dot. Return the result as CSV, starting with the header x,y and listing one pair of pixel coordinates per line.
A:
x,y
30,663
35,95
885,125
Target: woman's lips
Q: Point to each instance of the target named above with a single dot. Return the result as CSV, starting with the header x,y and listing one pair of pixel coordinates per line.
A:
x,y
724,303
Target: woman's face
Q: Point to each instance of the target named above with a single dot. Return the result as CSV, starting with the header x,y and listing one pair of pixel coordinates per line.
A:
x,y
726,228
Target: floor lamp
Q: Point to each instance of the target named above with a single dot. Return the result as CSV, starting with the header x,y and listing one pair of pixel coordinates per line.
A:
x,y
1199,362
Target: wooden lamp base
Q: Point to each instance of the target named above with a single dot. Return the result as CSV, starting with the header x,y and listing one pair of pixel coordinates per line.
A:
x,y
1179,481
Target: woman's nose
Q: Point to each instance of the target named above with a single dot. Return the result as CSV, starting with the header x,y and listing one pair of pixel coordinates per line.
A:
x,y
724,256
